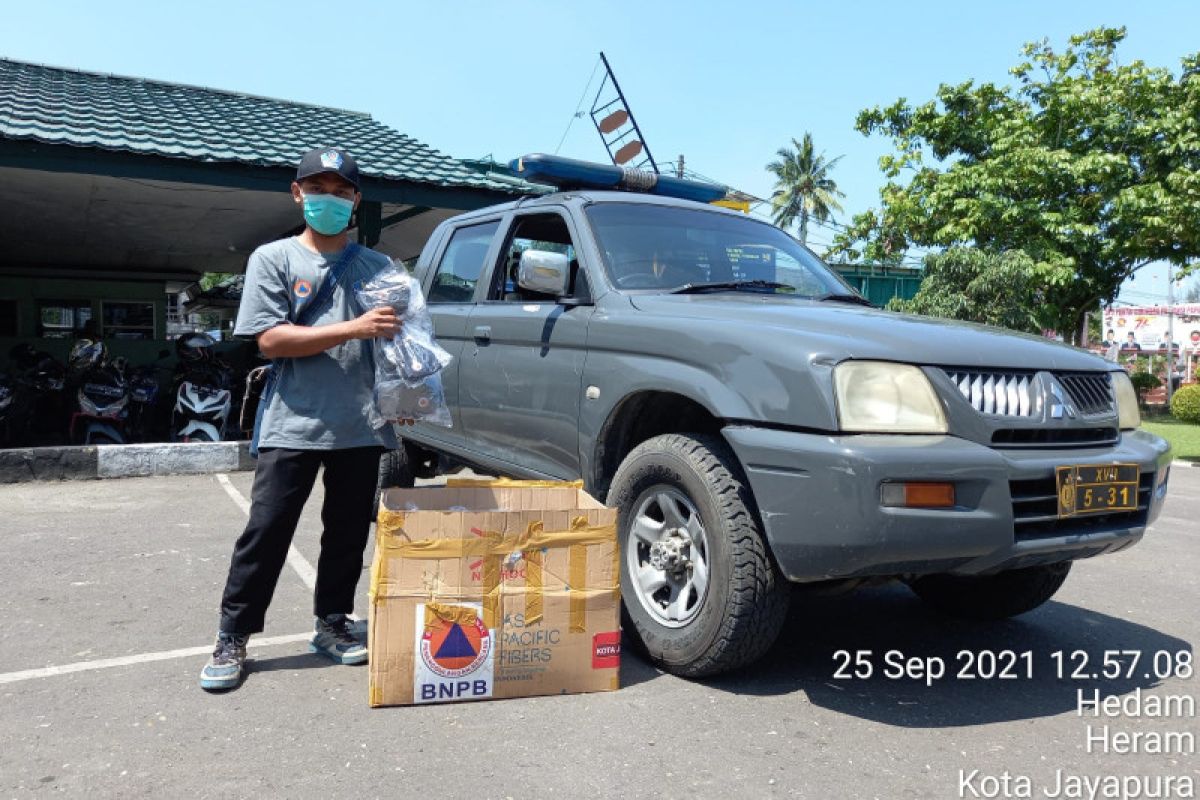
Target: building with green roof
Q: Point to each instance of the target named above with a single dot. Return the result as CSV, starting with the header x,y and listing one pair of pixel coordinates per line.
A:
x,y
119,191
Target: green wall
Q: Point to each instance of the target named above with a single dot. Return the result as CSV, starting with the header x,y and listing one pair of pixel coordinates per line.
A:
x,y
27,291
880,284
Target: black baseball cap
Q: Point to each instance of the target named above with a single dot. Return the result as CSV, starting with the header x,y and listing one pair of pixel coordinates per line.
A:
x,y
328,159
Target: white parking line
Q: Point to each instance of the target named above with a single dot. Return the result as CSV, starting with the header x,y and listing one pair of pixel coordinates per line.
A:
x,y
141,658
297,562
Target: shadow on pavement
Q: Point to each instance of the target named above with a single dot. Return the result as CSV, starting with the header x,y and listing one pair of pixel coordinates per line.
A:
x,y
890,618
292,662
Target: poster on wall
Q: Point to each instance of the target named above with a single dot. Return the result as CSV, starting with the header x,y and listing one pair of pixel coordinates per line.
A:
x,y
1146,326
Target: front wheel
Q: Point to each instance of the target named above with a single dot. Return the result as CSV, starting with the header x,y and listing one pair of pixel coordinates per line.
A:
x,y
992,597
697,578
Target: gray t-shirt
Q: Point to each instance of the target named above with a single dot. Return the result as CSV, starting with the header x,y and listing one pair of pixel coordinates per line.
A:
x,y
319,401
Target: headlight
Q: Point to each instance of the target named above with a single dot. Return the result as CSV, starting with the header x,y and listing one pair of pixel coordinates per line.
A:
x,y
114,409
87,406
1129,415
880,397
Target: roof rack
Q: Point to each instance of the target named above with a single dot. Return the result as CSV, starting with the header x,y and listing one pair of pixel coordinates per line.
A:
x,y
571,173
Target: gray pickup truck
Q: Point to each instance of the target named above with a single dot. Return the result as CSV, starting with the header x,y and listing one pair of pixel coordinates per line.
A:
x,y
757,422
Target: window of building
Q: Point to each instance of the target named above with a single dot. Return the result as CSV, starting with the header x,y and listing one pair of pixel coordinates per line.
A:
x,y
462,264
65,319
127,320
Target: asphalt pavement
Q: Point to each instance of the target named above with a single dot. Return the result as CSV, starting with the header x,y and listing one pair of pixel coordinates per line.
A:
x,y
109,604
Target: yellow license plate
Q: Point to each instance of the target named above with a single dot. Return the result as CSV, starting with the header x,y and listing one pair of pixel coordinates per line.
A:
x,y
1097,488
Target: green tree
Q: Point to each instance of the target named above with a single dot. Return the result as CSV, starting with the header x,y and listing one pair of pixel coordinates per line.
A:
x,y
210,279
974,285
1090,167
803,188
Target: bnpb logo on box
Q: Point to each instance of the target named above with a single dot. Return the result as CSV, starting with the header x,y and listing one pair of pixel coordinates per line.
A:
x,y
454,660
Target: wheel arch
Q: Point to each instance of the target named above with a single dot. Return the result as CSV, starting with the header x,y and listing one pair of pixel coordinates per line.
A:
x,y
640,416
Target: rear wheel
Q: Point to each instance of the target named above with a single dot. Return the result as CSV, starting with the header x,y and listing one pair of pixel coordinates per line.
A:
x,y
698,582
394,472
992,597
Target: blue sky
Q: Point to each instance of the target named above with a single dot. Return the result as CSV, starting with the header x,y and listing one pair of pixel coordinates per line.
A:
x,y
723,83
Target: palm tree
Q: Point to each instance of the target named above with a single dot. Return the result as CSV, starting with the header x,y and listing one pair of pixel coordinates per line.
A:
x,y
803,187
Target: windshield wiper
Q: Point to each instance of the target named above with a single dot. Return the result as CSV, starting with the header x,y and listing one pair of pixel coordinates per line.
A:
x,y
846,297
693,288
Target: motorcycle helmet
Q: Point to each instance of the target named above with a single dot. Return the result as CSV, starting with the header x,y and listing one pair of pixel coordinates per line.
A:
x,y
6,391
47,375
194,347
86,354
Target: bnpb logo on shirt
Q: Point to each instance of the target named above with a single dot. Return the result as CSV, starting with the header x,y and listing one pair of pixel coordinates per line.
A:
x,y
302,288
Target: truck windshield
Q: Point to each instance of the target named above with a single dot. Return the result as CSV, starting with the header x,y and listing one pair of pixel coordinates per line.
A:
x,y
664,248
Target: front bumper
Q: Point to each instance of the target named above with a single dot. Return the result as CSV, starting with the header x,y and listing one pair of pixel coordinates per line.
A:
x,y
819,499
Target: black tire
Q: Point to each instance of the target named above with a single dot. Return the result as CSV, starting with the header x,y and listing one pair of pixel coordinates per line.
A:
x,y
992,597
394,472
740,614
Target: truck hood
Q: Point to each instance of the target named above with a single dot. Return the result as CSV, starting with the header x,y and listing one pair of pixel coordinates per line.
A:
x,y
841,331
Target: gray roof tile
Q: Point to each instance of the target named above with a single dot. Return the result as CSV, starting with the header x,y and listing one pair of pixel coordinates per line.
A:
x,y
109,112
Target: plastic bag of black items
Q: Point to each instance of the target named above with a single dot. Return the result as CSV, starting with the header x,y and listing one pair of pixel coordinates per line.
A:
x,y
391,287
413,353
422,400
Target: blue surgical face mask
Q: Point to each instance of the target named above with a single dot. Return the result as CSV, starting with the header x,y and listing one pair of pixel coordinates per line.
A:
x,y
327,214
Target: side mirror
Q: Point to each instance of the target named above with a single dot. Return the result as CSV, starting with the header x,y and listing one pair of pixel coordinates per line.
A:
x,y
544,272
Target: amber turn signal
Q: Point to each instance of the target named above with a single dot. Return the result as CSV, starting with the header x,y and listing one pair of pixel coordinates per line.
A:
x,y
918,495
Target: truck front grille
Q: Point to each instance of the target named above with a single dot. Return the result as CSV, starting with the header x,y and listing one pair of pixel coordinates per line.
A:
x,y
1006,394
1091,392
1043,437
1011,394
1035,511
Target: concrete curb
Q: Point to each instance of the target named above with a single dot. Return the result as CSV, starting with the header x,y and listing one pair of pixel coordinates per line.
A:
x,y
20,465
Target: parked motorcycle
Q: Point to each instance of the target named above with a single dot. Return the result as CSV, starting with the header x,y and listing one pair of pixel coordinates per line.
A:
x,y
145,409
101,393
203,392
7,393
35,411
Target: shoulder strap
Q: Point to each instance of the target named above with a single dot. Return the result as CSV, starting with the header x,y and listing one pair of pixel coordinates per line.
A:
x,y
309,312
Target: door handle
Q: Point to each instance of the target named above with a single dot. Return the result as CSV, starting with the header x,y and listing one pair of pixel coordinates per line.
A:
x,y
483,333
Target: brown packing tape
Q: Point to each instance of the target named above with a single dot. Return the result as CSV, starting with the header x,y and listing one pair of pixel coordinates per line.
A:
x,y
533,587
577,569
493,547
463,615
388,520
379,562
493,543
491,590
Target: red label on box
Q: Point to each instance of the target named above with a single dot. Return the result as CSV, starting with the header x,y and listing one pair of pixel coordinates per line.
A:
x,y
606,650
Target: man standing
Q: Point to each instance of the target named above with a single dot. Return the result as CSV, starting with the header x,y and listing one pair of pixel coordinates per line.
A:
x,y
314,417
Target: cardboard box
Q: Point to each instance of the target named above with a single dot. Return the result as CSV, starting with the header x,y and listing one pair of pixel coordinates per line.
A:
x,y
497,589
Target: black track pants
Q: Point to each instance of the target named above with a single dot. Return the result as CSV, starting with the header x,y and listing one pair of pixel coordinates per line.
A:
x,y
283,481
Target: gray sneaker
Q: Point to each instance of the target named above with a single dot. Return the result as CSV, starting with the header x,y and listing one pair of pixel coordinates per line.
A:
x,y
335,638
224,669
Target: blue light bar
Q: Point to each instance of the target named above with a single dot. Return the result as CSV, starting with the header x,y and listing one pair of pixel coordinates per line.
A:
x,y
571,173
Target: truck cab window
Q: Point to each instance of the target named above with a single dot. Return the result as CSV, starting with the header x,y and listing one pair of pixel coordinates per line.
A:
x,y
462,264
546,232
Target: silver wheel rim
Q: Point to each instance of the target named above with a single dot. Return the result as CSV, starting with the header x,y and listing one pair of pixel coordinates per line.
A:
x,y
666,553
